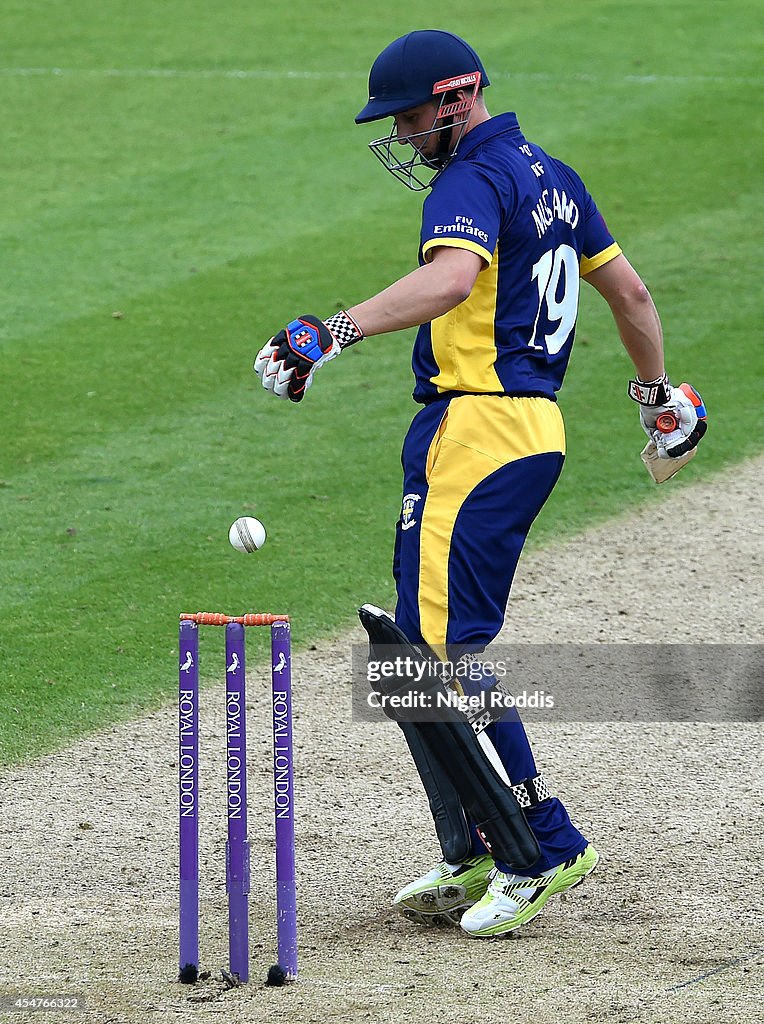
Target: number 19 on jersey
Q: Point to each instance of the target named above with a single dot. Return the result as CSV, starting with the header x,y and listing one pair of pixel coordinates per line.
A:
x,y
556,276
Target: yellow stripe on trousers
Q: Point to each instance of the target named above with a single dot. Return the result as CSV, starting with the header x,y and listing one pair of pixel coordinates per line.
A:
x,y
477,436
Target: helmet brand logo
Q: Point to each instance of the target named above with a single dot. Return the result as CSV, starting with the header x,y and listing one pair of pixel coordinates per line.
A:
x,y
473,78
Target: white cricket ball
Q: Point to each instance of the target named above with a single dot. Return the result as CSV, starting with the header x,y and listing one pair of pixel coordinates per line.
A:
x,y
247,534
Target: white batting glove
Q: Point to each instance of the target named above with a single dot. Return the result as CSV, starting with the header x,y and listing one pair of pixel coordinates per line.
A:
x,y
287,362
673,418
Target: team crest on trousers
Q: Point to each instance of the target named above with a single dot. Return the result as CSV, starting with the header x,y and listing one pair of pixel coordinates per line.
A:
x,y
407,510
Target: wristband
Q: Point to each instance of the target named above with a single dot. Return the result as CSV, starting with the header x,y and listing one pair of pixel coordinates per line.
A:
x,y
650,392
344,328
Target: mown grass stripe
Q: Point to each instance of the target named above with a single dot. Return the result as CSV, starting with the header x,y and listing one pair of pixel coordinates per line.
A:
x,y
329,75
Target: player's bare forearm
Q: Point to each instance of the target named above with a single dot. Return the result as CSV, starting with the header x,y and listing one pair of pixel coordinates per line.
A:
x,y
635,315
424,294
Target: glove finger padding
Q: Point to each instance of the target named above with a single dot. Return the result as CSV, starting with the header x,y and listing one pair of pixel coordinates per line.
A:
x,y
269,366
264,355
678,443
690,415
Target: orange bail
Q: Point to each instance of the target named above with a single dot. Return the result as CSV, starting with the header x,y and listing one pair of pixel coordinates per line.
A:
x,y
219,619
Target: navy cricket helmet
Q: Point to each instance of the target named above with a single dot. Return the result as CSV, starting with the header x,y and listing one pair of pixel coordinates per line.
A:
x,y
418,68
404,74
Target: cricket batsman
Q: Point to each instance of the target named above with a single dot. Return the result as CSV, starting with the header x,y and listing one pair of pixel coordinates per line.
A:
x,y
508,232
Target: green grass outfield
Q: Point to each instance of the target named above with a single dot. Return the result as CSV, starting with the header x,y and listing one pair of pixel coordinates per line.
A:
x,y
141,175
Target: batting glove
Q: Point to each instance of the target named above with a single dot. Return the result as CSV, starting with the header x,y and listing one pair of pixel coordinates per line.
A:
x,y
287,362
674,418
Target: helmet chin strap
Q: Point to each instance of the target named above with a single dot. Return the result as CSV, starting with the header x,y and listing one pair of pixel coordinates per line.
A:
x,y
444,133
443,152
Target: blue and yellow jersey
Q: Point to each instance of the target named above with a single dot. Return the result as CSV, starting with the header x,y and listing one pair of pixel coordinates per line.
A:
x,y
532,220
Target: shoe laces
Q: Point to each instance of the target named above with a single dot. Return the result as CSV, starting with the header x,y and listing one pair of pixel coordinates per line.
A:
x,y
504,883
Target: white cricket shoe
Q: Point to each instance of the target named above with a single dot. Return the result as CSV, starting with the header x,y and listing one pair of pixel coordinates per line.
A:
x,y
443,894
513,900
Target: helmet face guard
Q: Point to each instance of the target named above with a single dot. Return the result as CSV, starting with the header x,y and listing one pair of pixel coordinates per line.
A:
x,y
417,171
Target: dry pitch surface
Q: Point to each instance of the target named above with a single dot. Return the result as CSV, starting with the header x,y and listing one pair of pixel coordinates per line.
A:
x,y
669,929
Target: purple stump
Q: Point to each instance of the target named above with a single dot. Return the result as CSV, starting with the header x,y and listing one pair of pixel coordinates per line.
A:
x,y
237,846
188,799
283,787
